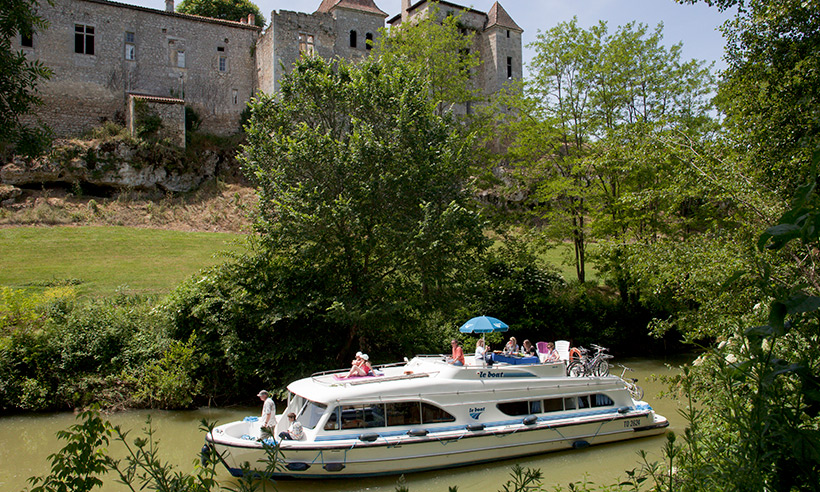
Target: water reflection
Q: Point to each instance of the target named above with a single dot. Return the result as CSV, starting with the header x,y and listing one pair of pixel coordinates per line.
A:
x,y
26,441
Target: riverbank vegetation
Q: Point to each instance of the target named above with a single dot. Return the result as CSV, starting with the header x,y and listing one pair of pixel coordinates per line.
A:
x,y
367,237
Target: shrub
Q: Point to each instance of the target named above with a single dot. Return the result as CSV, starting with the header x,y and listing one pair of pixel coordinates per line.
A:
x,y
169,381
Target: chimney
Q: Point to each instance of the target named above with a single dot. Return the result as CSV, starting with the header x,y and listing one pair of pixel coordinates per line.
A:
x,y
251,19
405,10
169,5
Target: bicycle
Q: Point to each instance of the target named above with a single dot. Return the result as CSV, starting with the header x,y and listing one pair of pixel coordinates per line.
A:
x,y
630,383
595,366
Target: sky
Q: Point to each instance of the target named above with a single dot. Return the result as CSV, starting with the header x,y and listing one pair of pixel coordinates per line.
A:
x,y
696,26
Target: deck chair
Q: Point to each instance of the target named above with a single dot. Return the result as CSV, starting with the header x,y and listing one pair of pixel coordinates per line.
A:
x,y
562,347
541,349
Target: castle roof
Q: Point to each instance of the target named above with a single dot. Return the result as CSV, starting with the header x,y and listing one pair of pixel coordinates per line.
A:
x,y
368,6
497,16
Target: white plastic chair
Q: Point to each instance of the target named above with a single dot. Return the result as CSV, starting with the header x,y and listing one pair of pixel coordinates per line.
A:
x,y
562,347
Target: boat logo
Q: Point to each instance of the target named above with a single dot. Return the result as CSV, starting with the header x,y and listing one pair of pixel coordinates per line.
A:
x,y
475,413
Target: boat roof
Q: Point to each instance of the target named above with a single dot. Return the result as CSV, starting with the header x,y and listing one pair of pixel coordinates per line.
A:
x,y
424,377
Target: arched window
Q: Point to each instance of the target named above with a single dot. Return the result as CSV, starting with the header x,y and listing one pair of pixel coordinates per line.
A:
x,y
368,40
353,39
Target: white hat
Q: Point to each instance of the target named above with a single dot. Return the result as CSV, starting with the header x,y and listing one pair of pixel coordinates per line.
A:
x,y
262,393
358,354
365,357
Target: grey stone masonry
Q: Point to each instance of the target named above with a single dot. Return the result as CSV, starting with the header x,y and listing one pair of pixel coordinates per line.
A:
x,y
102,51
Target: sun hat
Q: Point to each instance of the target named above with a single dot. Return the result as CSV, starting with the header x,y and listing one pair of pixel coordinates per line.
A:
x,y
262,393
358,354
365,357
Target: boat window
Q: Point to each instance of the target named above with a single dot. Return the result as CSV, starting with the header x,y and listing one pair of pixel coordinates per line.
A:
x,y
311,414
514,408
554,405
360,416
431,414
601,400
535,406
333,421
404,413
569,403
583,401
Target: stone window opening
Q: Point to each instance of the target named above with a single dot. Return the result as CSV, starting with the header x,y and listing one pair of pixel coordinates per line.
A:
x,y
180,58
27,39
306,46
130,46
353,39
509,67
235,95
508,33
83,39
368,41
223,63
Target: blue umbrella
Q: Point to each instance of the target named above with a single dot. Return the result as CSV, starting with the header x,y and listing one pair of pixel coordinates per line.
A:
x,y
483,324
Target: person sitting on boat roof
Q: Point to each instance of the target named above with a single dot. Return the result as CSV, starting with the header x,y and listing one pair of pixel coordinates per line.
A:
x,y
529,349
457,355
361,366
511,347
552,355
295,431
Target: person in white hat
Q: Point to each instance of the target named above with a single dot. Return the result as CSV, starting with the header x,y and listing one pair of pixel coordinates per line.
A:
x,y
361,366
268,418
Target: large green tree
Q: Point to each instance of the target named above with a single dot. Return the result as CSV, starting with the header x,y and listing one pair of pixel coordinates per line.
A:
x,y
590,129
19,79
439,47
771,88
362,184
232,10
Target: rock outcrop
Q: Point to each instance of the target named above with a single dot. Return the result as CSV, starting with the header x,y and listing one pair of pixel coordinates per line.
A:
x,y
117,164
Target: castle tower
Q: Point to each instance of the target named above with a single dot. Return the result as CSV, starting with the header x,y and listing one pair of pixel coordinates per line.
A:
x,y
502,61
357,22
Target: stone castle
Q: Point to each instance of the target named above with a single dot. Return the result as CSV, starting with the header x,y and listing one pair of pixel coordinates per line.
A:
x,y
108,57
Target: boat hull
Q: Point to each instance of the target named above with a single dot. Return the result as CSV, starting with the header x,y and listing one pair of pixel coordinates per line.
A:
x,y
397,453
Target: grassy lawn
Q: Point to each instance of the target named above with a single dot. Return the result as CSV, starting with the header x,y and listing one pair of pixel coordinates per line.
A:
x,y
561,257
104,260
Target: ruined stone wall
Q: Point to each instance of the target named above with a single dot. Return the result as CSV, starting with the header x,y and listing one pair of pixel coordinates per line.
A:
x,y
143,51
362,24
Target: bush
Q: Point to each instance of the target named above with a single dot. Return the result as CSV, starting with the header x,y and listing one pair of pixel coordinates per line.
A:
x,y
168,382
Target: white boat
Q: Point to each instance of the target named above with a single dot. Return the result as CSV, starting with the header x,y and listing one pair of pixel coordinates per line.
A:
x,y
426,414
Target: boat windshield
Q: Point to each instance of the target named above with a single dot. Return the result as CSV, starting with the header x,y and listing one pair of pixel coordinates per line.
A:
x,y
307,412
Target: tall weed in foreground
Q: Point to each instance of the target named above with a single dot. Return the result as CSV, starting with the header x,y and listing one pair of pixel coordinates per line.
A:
x,y
80,465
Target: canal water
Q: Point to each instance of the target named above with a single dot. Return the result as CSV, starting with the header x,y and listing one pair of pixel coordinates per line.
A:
x,y
27,440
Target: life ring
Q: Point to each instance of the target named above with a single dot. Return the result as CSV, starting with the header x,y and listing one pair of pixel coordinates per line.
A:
x,y
574,354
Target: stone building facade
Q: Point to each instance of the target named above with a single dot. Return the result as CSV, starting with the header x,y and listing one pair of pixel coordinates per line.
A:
x,y
103,52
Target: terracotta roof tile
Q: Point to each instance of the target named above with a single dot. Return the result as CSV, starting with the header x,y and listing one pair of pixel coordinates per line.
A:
x,y
498,16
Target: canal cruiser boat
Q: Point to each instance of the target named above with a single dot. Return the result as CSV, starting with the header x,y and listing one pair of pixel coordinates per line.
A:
x,y
426,414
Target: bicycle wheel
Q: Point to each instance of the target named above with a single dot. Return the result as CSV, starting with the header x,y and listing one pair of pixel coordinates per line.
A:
x,y
575,369
601,368
637,391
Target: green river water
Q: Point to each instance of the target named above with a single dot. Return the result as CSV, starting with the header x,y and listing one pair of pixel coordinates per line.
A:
x,y
27,440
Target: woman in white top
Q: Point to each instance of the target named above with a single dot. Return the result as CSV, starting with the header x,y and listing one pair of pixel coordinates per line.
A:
x,y
480,351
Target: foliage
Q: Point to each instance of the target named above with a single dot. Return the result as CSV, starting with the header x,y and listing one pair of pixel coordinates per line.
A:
x,y
589,132
19,79
80,464
362,197
192,119
439,47
77,467
147,121
168,382
232,10
771,88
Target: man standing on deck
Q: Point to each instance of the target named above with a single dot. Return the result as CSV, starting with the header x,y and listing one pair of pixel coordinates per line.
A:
x,y
268,418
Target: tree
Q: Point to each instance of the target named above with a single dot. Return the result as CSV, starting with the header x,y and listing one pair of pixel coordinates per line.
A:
x,y
439,47
771,87
589,132
19,79
362,188
232,10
